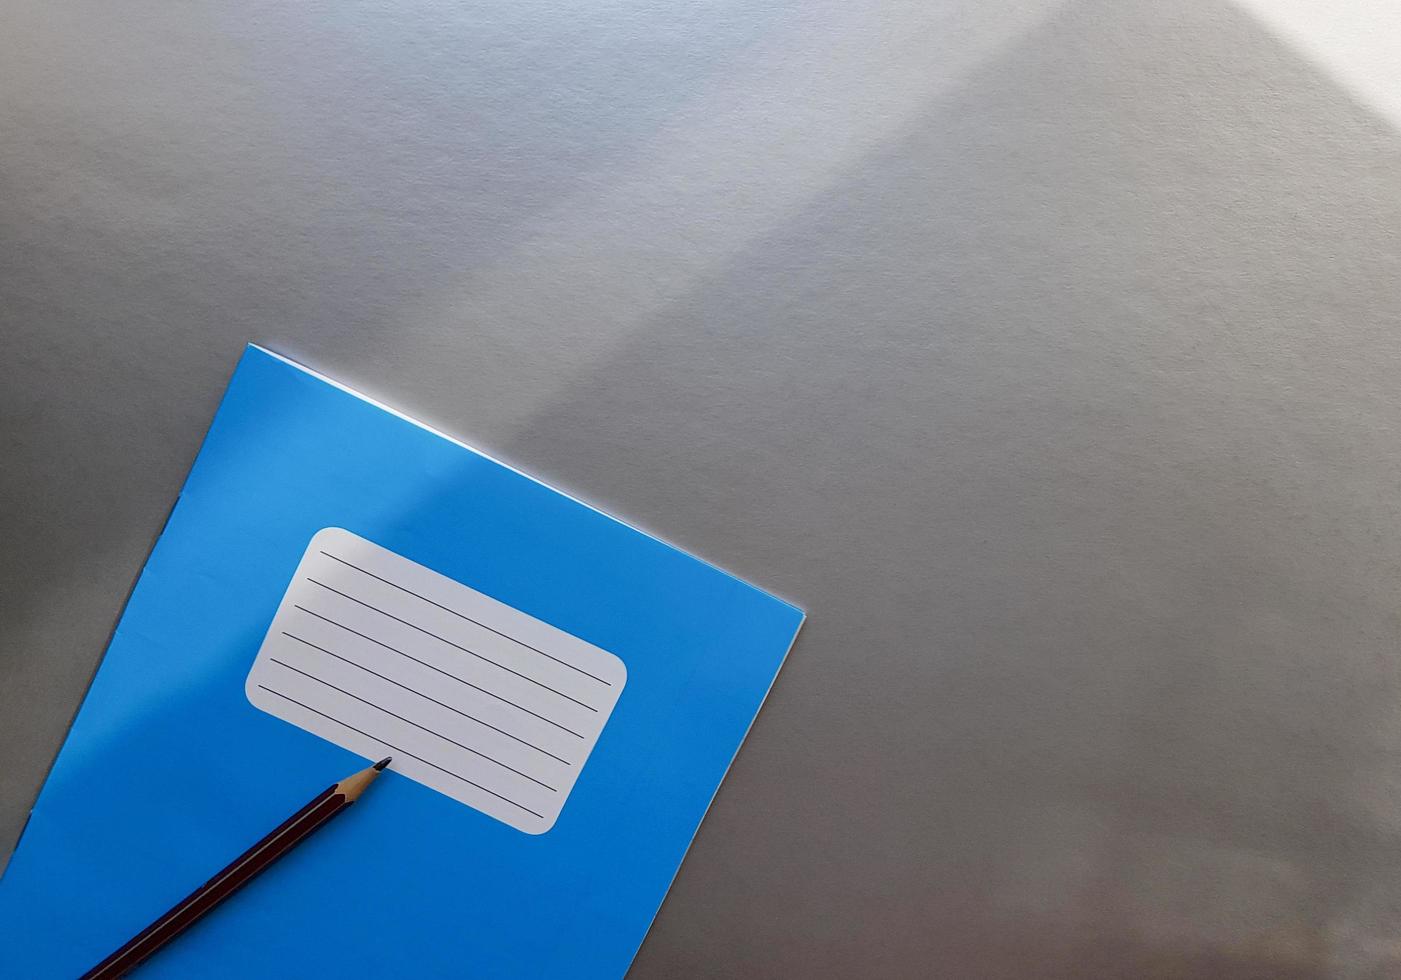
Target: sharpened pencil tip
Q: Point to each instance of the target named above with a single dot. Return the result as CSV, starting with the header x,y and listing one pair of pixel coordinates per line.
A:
x,y
379,766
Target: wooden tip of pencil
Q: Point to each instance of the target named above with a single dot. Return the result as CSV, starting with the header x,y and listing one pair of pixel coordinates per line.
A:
x,y
379,766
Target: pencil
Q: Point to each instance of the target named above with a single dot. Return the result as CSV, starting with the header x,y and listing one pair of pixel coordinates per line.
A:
x,y
297,828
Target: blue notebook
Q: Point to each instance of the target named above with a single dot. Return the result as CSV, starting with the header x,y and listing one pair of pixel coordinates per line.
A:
x,y
561,692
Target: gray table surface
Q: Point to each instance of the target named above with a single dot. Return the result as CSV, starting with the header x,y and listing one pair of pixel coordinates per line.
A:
x,y
1046,352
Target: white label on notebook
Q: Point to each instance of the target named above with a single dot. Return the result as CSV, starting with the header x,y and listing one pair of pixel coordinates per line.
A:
x,y
475,699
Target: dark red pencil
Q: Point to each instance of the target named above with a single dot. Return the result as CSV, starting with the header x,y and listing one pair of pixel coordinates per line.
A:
x,y
240,871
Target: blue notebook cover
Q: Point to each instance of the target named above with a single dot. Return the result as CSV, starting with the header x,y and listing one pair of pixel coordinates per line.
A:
x,y
335,576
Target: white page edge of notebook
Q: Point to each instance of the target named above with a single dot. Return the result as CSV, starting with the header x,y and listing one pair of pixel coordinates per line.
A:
x,y
519,472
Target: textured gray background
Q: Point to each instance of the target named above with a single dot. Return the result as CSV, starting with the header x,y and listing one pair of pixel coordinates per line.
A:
x,y
1047,352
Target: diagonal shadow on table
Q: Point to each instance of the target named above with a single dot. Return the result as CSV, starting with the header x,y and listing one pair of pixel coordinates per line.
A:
x,y
1069,415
